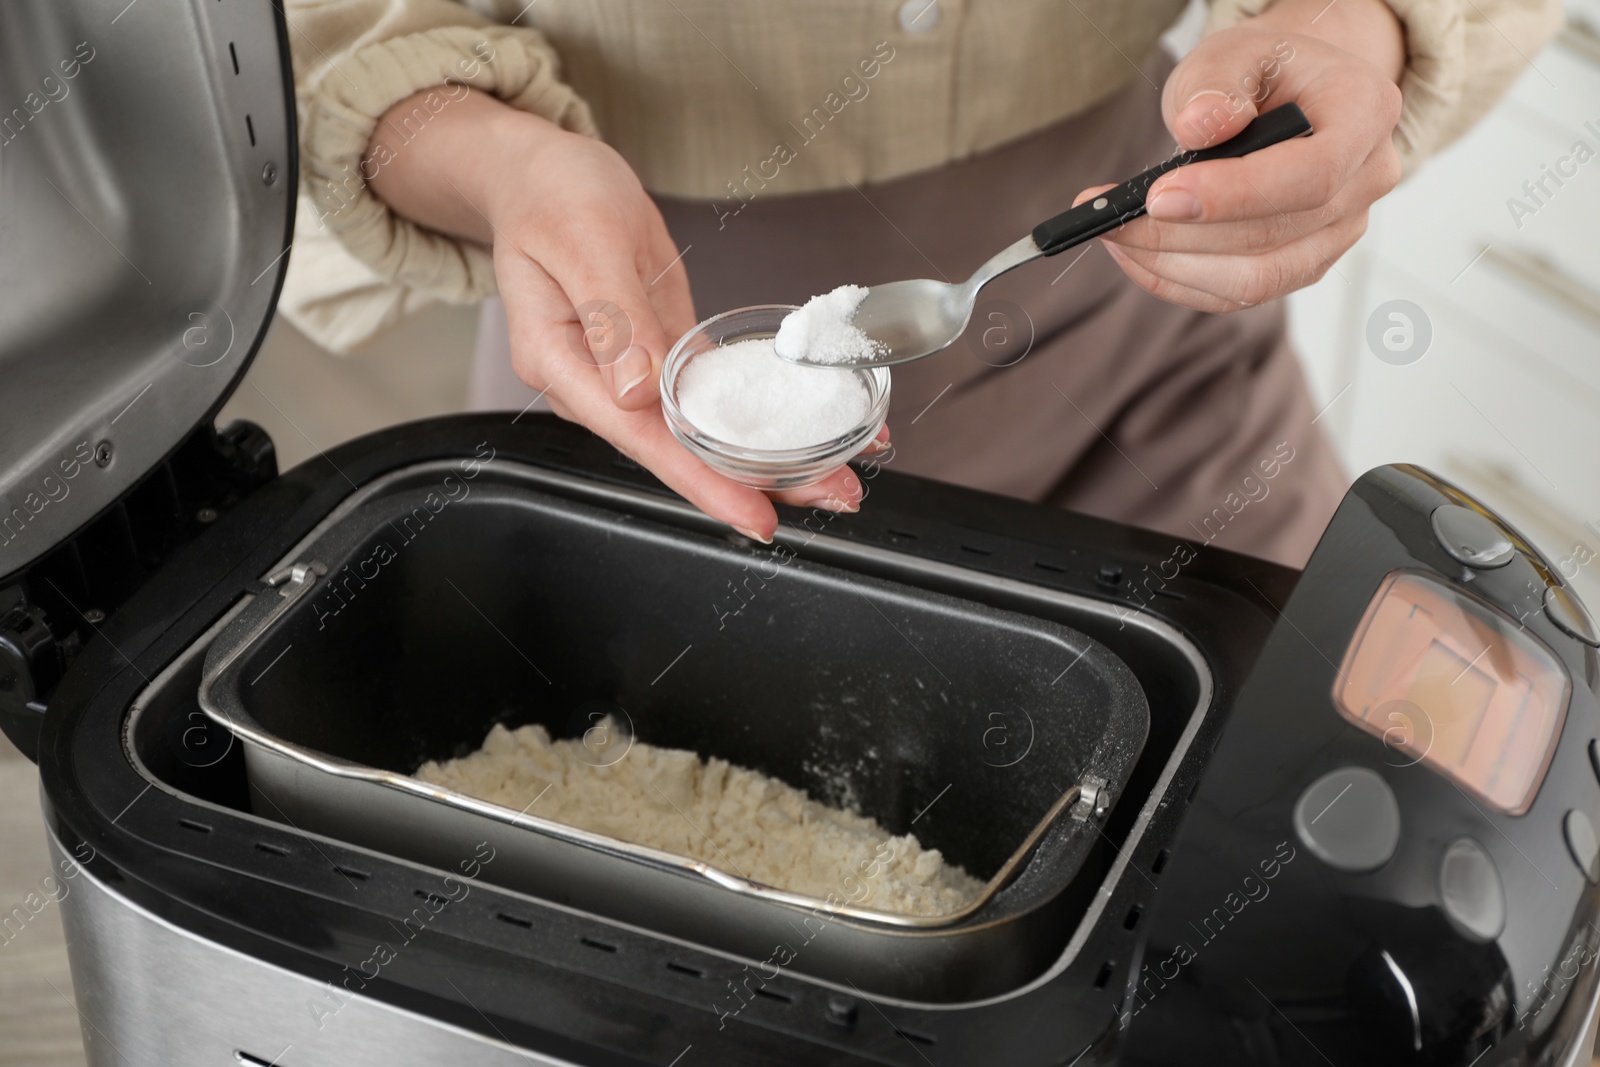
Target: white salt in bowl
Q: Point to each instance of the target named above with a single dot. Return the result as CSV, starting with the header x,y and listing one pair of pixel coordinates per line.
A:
x,y
768,469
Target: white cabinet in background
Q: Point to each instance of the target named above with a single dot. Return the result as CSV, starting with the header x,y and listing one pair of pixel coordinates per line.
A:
x,y
1506,401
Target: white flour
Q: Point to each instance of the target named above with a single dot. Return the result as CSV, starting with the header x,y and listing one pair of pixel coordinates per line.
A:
x,y
728,817
824,330
743,394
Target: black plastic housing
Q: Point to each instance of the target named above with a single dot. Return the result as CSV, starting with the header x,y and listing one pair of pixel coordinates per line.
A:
x,y
189,849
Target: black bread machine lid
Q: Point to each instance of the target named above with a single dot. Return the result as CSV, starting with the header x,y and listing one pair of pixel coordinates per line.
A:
x,y
147,186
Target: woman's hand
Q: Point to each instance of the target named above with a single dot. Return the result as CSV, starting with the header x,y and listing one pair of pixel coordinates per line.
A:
x,y
594,288
1233,233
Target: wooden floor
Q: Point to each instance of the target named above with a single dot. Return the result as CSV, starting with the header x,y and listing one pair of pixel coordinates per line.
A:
x,y
38,1023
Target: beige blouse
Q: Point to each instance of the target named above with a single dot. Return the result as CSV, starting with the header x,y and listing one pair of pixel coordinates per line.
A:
x,y
724,100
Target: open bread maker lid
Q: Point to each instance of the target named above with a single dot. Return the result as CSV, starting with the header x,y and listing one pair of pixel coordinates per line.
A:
x,y
147,186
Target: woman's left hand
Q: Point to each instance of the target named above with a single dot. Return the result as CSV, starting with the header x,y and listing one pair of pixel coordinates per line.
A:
x,y
1233,233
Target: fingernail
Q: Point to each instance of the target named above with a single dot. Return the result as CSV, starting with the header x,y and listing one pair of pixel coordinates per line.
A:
x,y
1196,119
1196,96
848,501
1173,205
632,368
753,535
1205,125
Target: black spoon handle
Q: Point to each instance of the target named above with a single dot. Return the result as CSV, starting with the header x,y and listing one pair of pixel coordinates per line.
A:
x,y
1125,203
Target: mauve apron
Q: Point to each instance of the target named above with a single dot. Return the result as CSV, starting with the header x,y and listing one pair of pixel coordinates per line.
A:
x,y
1072,386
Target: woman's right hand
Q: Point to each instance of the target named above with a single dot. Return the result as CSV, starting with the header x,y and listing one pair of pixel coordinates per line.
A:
x,y
594,288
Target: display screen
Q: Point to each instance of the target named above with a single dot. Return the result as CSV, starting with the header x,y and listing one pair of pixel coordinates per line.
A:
x,y
1448,681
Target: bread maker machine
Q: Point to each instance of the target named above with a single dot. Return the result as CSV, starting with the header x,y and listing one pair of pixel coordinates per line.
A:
x,y
1225,812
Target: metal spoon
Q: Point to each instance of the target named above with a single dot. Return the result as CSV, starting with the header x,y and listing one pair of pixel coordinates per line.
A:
x,y
912,319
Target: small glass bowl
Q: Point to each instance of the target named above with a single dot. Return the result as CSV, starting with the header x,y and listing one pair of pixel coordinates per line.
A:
x,y
759,468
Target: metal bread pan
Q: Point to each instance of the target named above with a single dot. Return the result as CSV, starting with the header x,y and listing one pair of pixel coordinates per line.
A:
x,y
435,604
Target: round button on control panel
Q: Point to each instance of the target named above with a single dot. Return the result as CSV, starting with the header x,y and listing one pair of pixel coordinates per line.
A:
x,y
1471,539
1581,840
1470,890
1349,819
1564,609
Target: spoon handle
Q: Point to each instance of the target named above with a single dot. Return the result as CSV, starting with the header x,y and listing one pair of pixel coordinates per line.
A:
x,y
1125,203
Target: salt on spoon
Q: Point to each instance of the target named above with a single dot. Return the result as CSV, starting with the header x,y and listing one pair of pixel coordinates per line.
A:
x,y
823,330
743,394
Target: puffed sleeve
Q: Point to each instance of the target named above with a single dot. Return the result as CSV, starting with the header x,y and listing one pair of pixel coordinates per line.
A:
x,y
357,268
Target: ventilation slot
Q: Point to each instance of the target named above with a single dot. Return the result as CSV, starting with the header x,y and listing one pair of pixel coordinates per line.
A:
x,y
526,924
250,128
902,533
351,872
1104,977
241,1056
430,898
197,827
976,551
1051,567
625,464
772,994
272,850
1133,917
1160,863
601,945
912,1035
1170,595
234,52
684,968
560,450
